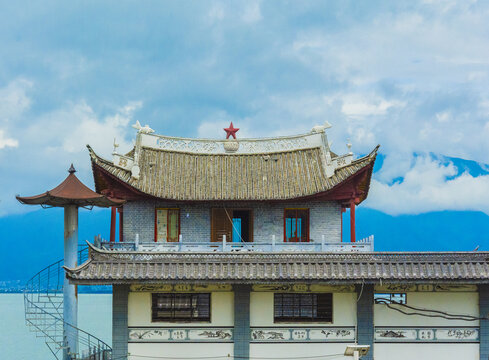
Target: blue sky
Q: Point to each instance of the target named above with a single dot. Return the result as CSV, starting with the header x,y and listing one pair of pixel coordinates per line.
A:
x,y
412,76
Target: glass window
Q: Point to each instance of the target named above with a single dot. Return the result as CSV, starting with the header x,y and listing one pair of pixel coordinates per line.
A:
x,y
296,225
181,307
390,298
303,307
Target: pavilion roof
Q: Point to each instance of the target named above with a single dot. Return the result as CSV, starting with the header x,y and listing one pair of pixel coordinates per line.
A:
x,y
283,168
70,192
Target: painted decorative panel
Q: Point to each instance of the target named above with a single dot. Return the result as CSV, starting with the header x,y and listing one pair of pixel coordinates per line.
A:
x,y
181,288
303,288
324,334
445,334
426,288
207,334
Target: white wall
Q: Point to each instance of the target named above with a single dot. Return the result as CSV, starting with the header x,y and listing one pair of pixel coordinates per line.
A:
x,y
222,311
300,350
427,351
180,350
466,303
261,310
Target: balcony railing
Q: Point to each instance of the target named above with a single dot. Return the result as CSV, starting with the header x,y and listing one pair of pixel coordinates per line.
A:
x,y
363,245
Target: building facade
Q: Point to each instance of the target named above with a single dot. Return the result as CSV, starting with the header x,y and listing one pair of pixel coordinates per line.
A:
x,y
234,248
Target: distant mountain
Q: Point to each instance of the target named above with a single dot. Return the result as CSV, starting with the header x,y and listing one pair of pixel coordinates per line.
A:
x,y
29,242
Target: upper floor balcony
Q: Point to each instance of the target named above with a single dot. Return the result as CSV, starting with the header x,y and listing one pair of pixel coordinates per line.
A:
x,y
363,245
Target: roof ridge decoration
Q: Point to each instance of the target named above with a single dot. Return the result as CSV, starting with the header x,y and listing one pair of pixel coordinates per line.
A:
x,y
276,168
316,138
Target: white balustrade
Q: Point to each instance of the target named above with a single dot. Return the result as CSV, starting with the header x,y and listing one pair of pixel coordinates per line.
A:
x,y
363,245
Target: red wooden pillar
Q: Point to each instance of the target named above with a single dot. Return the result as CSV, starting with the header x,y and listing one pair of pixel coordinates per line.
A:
x,y
121,222
342,211
352,219
112,224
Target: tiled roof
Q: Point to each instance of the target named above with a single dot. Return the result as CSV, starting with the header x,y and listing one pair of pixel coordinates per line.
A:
x,y
70,192
110,267
191,176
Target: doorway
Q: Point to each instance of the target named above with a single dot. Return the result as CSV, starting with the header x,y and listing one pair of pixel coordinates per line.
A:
x,y
236,224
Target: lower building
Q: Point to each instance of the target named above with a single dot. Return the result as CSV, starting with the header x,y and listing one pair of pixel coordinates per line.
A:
x,y
248,305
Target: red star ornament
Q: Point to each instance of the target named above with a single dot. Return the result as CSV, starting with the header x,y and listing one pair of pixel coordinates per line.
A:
x,y
231,131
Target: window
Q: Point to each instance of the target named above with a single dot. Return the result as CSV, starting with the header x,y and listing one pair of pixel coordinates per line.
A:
x,y
390,298
181,307
167,225
296,224
303,307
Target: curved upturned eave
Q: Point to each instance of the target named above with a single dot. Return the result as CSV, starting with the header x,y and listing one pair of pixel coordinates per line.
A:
x,y
104,169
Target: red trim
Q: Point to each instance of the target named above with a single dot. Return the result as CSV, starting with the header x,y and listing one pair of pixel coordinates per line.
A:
x,y
341,192
112,223
352,220
167,223
307,225
343,210
156,224
121,223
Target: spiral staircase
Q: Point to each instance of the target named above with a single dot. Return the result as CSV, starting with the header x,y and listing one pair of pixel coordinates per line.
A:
x,y
43,302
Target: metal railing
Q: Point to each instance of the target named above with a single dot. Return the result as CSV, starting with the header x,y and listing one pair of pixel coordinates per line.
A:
x,y
43,304
363,245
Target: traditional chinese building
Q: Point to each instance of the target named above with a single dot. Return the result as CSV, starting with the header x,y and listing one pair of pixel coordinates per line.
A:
x,y
235,248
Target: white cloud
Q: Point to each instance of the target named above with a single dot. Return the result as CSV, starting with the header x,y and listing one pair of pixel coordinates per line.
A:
x,y
54,140
430,185
14,99
360,106
6,141
252,12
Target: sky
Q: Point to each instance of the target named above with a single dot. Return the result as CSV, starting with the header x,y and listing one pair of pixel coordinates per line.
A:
x,y
412,76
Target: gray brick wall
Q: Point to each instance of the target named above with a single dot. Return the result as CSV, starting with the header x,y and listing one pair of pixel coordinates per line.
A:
x,y
484,324
120,294
195,220
365,318
242,331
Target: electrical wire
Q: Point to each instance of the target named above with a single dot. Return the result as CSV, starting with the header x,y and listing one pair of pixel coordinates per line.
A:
x,y
435,313
232,224
329,356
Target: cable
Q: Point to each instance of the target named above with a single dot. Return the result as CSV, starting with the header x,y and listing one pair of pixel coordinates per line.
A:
x,y
331,356
437,313
232,224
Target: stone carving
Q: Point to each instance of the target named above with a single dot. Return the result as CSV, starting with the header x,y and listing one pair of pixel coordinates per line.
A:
x,y
216,334
455,334
217,146
147,334
461,333
337,333
392,334
267,335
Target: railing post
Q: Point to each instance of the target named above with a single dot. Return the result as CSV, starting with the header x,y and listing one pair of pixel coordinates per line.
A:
x,y
136,242
323,245
180,242
224,243
273,242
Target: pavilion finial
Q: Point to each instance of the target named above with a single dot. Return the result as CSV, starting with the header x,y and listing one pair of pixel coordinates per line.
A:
x,y
72,170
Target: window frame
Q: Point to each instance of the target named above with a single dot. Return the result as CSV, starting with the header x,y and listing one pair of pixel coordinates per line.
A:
x,y
167,217
302,319
307,210
378,297
176,319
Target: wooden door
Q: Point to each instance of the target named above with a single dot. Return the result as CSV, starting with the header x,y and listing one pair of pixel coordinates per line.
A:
x,y
221,224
